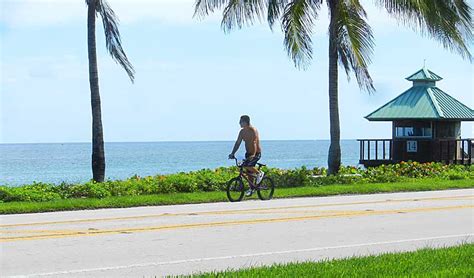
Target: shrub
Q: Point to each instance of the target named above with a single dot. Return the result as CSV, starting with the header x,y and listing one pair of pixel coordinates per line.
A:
x,y
289,178
181,182
36,192
89,190
215,180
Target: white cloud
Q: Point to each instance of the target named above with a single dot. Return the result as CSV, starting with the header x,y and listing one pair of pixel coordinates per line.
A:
x,y
27,13
27,69
20,13
170,11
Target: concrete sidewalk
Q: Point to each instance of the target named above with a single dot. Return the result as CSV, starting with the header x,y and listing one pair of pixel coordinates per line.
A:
x,y
183,239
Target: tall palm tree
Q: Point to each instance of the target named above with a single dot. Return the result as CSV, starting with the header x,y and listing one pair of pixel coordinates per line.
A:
x,y
350,37
114,46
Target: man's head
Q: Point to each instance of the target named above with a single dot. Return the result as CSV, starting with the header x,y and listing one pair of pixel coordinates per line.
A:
x,y
244,121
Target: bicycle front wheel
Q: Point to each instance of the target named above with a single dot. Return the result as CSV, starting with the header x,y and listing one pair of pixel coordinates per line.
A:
x,y
265,189
235,189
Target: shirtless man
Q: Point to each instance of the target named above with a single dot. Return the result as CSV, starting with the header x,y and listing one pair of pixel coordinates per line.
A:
x,y
249,135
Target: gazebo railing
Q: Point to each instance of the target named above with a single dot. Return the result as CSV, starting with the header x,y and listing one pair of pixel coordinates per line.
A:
x,y
450,151
454,151
376,149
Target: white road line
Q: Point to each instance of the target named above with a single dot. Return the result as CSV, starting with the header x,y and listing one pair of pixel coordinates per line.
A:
x,y
467,237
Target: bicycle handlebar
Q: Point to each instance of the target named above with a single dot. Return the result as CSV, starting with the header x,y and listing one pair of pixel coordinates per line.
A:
x,y
236,162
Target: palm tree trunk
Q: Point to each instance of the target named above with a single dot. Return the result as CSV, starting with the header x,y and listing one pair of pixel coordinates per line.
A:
x,y
98,156
334,156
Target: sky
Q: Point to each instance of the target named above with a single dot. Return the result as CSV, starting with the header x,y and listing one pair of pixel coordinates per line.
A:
x,y
193,81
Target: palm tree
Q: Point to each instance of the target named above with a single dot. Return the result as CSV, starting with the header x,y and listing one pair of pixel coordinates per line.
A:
x,y
350,37
114,46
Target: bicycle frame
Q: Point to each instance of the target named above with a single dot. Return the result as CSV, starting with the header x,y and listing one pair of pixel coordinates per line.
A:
x,y
235,187
242,173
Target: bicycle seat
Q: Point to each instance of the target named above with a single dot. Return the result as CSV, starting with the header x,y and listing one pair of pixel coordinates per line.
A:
x,y
261,165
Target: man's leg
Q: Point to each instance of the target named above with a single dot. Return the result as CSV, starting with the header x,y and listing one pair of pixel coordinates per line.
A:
x,y
251,173
258,173
251,178
251,169
250,165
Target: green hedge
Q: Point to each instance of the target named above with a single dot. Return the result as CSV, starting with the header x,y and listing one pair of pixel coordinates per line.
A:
x,y
215,180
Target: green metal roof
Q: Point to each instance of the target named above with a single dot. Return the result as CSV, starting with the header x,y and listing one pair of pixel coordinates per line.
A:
x,y
450,107
424,75
423,102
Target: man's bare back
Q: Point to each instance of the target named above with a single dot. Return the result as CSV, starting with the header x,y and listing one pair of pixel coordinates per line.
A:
x,y
249,135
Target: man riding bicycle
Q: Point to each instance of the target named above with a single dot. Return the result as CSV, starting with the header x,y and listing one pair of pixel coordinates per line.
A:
x,y
249,135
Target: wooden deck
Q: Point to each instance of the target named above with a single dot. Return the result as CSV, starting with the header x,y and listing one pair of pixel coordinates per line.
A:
x,y
375,152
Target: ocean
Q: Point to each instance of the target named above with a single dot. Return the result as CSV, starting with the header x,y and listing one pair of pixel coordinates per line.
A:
x,y
71,162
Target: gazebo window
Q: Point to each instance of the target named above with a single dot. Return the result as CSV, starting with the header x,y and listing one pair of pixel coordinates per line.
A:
x,y
410,131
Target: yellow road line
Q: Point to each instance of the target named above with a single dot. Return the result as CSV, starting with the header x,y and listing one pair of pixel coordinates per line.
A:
x,y
233,211
302,212
34,231
227,223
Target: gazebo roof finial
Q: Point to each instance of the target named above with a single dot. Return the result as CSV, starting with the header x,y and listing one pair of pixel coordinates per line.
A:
x,y
424,75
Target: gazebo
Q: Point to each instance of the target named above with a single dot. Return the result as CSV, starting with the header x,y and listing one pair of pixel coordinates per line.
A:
x,y
426,126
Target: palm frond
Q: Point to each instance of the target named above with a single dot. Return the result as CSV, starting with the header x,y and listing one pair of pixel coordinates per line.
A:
x,y
447,21
297,24
112,36
355,42
239,13
274,10
203,8
236,13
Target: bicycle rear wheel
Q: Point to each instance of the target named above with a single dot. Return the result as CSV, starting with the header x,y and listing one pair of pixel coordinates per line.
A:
x,y
235,189
265,189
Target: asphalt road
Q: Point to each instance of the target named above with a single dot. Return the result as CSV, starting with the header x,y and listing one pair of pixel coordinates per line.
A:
x,y
184,239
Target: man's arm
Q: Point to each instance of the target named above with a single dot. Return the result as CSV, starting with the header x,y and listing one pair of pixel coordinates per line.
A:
x,y
236,145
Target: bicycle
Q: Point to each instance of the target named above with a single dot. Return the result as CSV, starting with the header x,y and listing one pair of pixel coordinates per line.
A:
x,y
235,187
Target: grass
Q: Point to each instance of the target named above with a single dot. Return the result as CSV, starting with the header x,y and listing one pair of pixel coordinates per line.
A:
x,y
209,197
455,261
